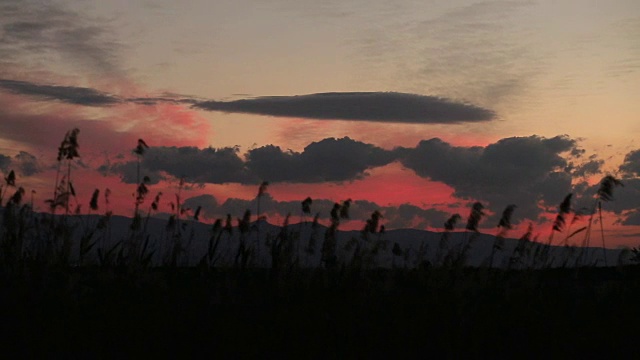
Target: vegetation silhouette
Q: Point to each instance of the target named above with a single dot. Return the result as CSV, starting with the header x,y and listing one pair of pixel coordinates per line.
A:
x,y
72,284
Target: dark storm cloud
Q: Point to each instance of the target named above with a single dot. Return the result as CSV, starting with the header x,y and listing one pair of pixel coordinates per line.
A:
x,y
359,106
67,94
519,170
631,164
327,160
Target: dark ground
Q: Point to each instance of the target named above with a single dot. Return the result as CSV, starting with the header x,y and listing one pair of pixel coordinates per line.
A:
x,y
419,313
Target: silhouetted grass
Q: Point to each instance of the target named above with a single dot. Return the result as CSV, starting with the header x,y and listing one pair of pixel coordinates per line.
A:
x,y
96,296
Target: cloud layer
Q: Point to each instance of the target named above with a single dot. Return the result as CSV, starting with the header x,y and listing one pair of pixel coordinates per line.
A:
x,y
403,216
330,160
23,163
520,170
33,31
358,106
532,172
68,94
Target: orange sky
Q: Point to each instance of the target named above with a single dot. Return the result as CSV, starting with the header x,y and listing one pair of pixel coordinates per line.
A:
x,y
541,67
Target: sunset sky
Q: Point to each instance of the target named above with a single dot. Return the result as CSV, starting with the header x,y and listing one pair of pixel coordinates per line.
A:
x,y
413,108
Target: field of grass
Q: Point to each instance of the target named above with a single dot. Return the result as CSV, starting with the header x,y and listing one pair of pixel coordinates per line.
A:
x,y
87,286
319,313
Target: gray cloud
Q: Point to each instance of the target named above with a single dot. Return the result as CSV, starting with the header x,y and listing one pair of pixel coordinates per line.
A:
x,y
632,218
327,160
591,167
33,31
67,94
331,159
195,165
23,163
532,172
207,202
394,217
83,96
631,164
26,163
374,106
5,162
625,198
519,170
359,106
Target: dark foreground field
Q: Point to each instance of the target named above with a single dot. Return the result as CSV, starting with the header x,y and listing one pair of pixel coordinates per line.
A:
x,y
417,313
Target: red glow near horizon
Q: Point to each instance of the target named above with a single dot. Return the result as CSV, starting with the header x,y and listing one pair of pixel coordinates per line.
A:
x,y
299,133
38,127
387,185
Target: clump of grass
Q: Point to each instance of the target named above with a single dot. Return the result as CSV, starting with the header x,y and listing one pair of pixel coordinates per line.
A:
x,y
504,225
605,193
262,191
522,250
10,181
89,230
310,249
443,255
15,221
282,249
244,251
367,248
329,257
67,151
217,231
475,215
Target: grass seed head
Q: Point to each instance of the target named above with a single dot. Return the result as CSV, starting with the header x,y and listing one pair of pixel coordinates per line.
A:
x,y
505,219
450,224
93,204
140,149
263,188
11,178
608,183
475,216
306,205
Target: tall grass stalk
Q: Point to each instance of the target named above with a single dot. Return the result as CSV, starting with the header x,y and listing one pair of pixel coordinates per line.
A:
x,y
504,225
605,193
262,190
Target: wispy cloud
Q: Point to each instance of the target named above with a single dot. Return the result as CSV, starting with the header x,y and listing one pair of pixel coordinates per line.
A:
x,y
358,106
68,94
34,30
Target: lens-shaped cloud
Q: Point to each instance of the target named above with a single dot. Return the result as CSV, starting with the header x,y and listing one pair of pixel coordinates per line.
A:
x,y
357,106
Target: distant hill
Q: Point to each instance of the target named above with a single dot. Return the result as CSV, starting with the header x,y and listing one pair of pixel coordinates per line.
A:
x,y
414,247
